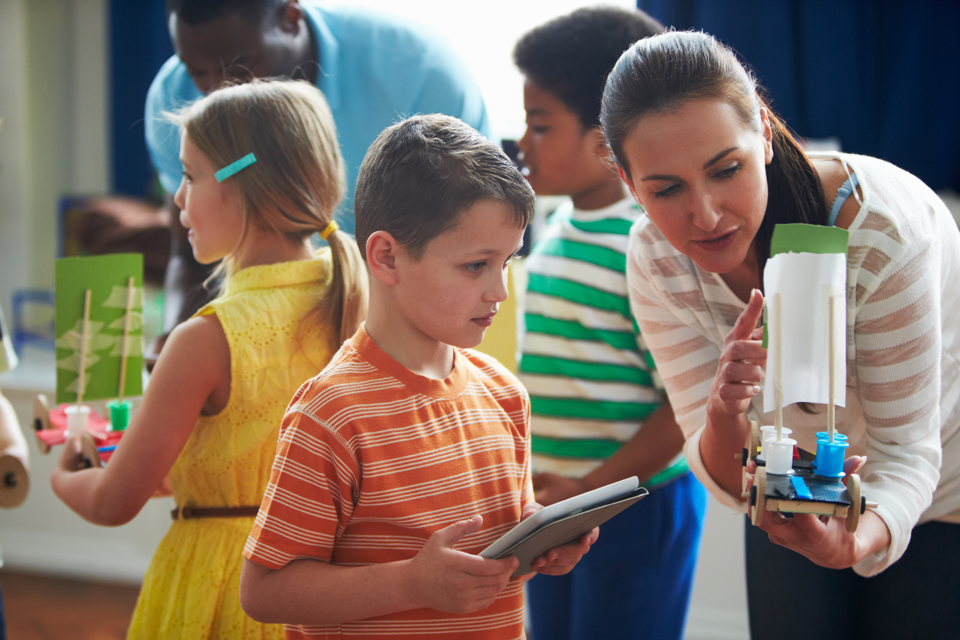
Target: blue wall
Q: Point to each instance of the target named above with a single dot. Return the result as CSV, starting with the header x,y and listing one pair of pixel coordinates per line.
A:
x,y
139,45
878,74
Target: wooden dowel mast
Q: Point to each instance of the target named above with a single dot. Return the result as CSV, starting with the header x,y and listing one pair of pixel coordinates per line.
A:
x,y
777,339
832,351
82,380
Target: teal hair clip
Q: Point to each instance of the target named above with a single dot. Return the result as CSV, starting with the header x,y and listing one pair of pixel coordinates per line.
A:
x,y
233,167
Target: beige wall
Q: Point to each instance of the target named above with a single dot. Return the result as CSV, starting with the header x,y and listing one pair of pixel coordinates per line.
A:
x,y
54,138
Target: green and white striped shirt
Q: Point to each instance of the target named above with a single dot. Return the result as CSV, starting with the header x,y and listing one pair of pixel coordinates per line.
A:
x,y
591,380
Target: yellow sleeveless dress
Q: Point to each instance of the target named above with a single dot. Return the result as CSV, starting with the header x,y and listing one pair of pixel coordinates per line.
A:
x,y
191,589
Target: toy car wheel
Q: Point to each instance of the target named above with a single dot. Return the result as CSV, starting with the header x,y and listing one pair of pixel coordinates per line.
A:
x,y
758,496
41,421
89,450
856,502
745,456
753,441
14,482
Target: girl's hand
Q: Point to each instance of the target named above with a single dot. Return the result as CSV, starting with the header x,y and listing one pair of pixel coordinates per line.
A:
x,y
825,540
551,488
743,360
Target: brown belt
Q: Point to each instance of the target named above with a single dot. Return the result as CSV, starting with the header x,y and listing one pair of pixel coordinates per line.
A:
x,y
190,513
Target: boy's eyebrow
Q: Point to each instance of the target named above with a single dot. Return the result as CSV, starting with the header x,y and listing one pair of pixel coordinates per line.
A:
x,y
706,165
539,111
492,252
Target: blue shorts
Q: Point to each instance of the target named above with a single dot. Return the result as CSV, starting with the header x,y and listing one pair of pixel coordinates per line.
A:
x,y
636,580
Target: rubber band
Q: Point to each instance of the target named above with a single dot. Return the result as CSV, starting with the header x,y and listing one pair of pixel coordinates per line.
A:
x,y
233,167
327,230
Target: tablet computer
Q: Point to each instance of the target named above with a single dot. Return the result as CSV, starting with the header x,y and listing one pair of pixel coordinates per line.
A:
x,y
564,522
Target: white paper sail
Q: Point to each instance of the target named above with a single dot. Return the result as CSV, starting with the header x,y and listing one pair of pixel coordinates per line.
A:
x,y
805,282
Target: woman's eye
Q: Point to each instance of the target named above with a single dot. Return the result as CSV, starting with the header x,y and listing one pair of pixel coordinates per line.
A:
x,y
666,192
729,172
476,266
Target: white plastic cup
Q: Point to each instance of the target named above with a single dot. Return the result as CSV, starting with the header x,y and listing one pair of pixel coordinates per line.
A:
x,y
769,432
780,456
78,416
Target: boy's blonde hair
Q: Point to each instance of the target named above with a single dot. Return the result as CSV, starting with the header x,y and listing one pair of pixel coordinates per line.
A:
x,y
297,181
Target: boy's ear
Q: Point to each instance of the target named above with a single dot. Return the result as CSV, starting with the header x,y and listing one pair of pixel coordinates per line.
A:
x,y
381,250
629,184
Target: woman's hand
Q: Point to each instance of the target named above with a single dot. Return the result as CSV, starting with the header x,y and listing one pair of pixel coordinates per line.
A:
x,y
825,540
740,370
743,360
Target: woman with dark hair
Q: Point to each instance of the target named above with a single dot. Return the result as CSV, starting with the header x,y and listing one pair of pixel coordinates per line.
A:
x,y
716,169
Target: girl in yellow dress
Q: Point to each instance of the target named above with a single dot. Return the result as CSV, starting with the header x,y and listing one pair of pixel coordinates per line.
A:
x,y
262,173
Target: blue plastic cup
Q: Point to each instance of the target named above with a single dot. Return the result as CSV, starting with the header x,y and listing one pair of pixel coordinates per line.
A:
x,y
825,435
830,457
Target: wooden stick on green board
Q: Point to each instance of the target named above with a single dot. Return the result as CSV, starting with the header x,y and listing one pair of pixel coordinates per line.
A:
x,y
83,346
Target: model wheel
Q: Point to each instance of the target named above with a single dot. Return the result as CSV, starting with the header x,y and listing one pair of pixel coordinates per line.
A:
x,y
758,496
744,457
856,503
89,450
41,421
14,482
753,442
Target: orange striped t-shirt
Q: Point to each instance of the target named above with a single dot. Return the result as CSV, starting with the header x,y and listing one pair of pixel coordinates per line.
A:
x,y
373,459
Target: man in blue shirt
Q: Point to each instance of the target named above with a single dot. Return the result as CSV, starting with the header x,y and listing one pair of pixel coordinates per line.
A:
x,y
373,69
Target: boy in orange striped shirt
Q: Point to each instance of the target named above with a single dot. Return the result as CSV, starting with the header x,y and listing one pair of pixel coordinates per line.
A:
x,y
409,453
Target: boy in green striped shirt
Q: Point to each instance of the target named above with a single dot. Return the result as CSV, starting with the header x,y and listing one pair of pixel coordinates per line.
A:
x,y
598,411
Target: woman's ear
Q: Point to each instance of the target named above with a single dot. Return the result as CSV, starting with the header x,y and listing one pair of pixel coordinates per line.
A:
x,y
629,183
767,132
381,252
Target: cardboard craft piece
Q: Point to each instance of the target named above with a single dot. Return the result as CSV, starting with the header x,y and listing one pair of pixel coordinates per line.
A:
x,y
107,278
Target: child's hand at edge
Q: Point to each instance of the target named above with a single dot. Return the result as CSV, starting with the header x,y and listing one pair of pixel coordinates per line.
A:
x,y
551,488
452,581
560,560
